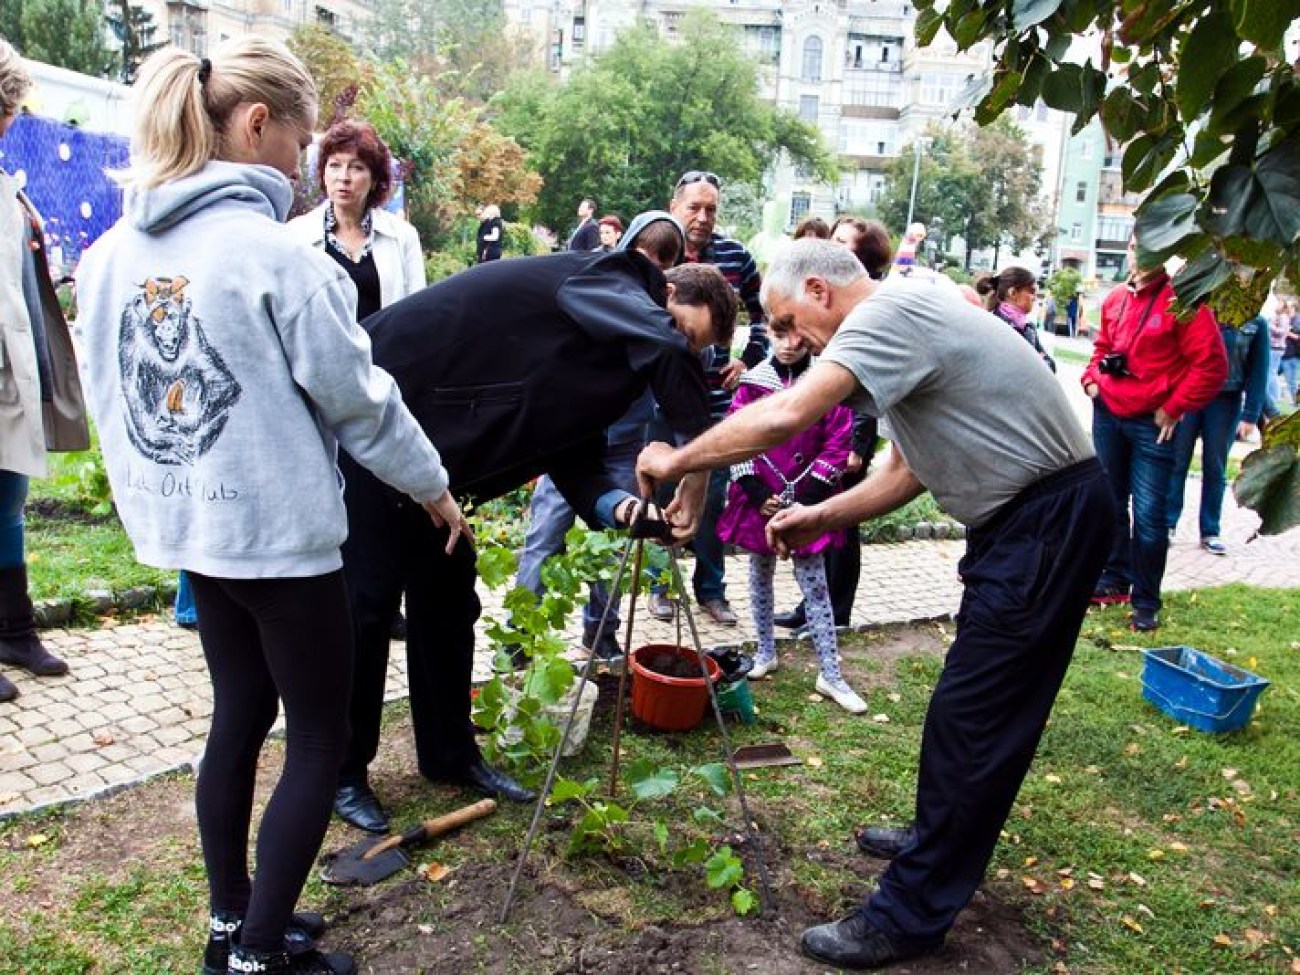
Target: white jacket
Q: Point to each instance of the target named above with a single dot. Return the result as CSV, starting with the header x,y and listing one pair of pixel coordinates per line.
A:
x,y
398,258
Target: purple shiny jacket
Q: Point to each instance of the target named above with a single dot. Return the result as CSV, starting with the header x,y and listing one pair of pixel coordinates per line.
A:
x,y
805,468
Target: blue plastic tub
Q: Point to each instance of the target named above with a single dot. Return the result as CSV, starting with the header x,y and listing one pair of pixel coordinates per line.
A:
x,y
1199,690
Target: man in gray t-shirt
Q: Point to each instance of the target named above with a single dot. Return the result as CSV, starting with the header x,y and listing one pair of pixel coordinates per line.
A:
x,y
977,420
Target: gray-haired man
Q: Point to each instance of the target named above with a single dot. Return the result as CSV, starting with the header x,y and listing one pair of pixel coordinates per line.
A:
x,y
976,420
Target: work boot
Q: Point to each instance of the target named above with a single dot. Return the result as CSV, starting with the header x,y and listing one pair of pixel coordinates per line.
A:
x,y
19,644
301,936
7,690
244,961
885,842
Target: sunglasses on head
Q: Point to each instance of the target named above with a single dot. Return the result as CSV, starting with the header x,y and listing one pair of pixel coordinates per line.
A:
x,y
698,176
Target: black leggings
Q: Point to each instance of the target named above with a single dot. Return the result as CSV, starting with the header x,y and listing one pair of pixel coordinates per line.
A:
x,y
266,641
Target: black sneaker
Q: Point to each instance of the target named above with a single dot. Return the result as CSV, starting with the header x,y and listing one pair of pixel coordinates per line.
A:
x,y
606,648
304,930
1109,594
244,961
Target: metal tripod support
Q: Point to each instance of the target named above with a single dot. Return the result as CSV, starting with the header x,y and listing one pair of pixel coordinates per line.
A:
x,y
634,551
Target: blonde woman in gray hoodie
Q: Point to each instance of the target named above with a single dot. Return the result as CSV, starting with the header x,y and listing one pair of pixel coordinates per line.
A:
x,y
225,370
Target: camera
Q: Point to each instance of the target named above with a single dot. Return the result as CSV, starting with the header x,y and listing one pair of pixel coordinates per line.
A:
x,y
1114,364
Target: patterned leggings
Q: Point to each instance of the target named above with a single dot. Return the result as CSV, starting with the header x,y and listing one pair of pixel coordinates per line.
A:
x,y
810,573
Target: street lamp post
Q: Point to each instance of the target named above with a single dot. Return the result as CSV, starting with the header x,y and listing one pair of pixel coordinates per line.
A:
x,y
915,177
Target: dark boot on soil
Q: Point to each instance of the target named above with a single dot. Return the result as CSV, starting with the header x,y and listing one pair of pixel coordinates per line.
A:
x,y
19,644
854,942
885,842
305,928
7,690
244,961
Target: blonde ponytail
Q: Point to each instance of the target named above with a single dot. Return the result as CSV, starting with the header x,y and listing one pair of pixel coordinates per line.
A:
x,y
183,103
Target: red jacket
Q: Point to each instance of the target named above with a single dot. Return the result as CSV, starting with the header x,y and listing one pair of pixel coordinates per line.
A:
x,y
1179,366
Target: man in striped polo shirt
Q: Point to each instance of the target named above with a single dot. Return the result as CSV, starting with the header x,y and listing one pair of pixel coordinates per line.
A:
x,y
695,205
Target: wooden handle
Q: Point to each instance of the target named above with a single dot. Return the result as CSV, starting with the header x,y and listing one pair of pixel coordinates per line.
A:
x,y
433,827
458,817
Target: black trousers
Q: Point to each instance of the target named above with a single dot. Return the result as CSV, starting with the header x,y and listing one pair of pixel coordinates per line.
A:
x,y
267,641
1028,575
394,547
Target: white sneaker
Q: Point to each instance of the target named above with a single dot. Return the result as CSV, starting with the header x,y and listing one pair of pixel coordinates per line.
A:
x,y
843,695
762,667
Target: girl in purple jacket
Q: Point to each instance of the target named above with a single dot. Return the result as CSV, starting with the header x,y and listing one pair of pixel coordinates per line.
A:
x,y
804,470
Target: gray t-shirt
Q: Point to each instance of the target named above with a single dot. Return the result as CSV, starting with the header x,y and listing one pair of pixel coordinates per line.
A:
x,y
972,408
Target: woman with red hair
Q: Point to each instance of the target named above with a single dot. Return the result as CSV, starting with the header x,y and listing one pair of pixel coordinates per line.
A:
x,y
379,250
381,254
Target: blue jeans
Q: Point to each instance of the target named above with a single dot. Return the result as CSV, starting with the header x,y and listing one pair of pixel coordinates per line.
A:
x,y
1216,426
550,518
13,495
1291,375
1139,468
186,613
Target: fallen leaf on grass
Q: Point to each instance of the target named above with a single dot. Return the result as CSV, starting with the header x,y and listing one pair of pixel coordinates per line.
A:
x,y
1155,854
1181,731
1229,773
1067,883
1178,847
1138,879
424,928
1003,873
1181,763
37,840
1095,882
814,760
1054,779
433,871
1242,787
1295,966
1270,910
894,697
1143,909
880,718
1132,748
1030,861
1131,924
1255,937
1223,941
1033,885
815,698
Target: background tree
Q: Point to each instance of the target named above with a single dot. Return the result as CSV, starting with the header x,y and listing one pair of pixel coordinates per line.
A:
x,y
136,31
980,184
1202,95
467,43
333,64
452,160
623,127
66,33
11,23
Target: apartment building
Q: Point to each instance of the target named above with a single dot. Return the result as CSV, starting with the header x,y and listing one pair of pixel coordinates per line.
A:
x,y
197,25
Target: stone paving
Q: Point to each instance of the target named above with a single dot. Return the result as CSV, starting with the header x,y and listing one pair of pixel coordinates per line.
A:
x,y
137,700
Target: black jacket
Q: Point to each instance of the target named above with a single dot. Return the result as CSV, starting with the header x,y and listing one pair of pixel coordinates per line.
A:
x,y
515,368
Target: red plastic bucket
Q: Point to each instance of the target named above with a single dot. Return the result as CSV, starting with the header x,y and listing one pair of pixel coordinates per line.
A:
x,y
669,703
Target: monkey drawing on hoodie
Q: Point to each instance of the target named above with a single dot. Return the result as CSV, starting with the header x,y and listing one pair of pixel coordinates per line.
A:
x,y
178,391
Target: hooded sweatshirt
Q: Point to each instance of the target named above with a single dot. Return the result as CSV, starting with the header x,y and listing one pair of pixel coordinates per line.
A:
x,y
225,367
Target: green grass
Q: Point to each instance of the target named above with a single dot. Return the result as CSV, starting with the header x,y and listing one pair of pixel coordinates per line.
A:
x,y
1074,357
1135,846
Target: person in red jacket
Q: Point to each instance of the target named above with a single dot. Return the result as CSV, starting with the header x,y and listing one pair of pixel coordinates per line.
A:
x,y
1147,370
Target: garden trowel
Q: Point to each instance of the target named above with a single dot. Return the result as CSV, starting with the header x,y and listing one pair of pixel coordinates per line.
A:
x,y
378,858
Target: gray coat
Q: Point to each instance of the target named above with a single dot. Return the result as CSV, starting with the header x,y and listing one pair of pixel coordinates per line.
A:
x,y
33,419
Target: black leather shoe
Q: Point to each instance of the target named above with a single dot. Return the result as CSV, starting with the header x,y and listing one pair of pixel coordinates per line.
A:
x,y
791,620
357,805
494,783
885,842
853,942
